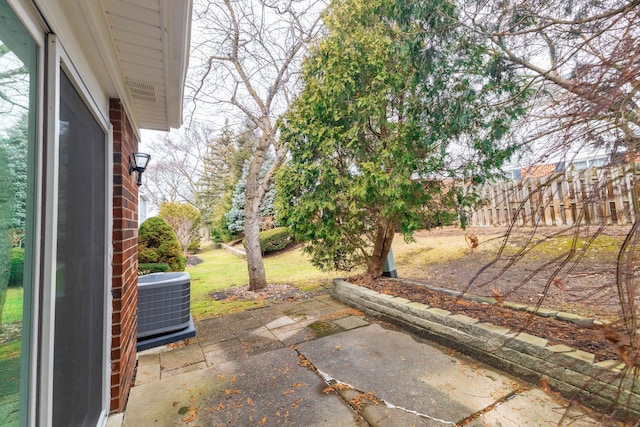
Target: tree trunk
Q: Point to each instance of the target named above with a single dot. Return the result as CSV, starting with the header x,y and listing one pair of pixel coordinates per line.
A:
x,y
382,245
255,265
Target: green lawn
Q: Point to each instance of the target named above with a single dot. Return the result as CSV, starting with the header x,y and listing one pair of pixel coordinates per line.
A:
x,y
12,311
10,350
221,270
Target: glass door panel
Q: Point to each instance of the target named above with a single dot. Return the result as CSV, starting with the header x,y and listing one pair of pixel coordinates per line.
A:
x,y
18,94
79,343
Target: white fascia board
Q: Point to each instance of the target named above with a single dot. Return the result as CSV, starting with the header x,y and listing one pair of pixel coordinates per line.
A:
x,y
177,15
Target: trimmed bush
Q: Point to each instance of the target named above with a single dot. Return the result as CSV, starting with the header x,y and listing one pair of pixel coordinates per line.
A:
x,y
274,240
194,246
152,267
16,273
158,243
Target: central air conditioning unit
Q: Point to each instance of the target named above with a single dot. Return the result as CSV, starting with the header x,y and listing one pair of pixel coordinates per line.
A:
x,y
164,309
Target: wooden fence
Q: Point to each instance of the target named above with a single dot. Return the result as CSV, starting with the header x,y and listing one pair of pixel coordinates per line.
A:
x,y
587,196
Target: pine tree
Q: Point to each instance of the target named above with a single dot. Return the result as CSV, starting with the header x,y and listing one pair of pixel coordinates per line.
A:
x,y
235,216
223,166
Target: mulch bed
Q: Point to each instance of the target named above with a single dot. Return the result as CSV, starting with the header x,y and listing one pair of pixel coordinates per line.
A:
x,y
591,339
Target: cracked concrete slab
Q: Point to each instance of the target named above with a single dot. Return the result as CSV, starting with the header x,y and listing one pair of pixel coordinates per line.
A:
x,y
388,376
404,371
535,408
270,391
181,357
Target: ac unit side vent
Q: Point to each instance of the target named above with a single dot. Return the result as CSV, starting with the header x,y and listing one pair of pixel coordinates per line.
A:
x,y
163,308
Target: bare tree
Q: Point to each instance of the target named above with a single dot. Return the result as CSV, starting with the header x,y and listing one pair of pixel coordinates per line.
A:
x,y
251,51
584,58
178,158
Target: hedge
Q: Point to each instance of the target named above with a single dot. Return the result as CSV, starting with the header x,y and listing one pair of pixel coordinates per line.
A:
x,y
152,267
274,240
16,273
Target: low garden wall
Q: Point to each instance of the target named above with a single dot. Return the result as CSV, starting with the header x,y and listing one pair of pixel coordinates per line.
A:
x,y
603,385
240,253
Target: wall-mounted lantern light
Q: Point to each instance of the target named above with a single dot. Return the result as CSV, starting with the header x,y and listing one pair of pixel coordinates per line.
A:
x,y
138,163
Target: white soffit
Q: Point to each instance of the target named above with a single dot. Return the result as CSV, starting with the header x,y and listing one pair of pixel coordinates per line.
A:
x,y
150,39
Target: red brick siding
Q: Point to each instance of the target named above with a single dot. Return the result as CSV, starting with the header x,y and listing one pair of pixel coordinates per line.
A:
x,y
538,171
125,258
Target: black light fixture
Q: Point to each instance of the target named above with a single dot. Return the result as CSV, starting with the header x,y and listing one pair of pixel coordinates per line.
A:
x,y
138,163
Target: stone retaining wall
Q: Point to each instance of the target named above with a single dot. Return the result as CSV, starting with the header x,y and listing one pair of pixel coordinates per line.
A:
x,y
604,385
240,253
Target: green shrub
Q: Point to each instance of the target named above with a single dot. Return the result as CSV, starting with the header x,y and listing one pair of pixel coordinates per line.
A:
x,y
152,267
194,246
147,255
16,273
274,240
158,243
220,232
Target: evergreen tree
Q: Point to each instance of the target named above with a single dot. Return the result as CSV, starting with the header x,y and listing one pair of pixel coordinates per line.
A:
x,y
15,147
400,107
223,166
6,230
235,216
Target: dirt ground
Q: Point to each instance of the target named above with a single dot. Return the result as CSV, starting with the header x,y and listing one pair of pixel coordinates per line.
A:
x,y
545,267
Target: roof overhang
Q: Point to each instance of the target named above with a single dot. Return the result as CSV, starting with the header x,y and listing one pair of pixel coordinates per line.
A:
x,y
138,51
150,40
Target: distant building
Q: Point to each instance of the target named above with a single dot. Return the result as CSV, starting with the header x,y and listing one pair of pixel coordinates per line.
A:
x,y
579,162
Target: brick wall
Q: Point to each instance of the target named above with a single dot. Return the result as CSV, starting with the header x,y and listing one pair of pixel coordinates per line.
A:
x,y
125,258
538,171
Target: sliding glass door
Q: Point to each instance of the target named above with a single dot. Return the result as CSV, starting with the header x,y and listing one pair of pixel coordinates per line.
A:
x,y
55,207
79,348
18,120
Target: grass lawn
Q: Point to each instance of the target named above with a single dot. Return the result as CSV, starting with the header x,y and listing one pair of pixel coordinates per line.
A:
x,y
221,270
12,310
10,350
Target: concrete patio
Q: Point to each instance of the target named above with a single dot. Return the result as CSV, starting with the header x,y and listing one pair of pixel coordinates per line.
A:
x,y
317,362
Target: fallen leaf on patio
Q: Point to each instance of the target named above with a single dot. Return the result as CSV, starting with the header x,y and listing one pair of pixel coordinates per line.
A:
x,y
176,344
358,401
229,391
190,416
336,387
298,385
263,421
249,401
287,392
544,383
304,362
